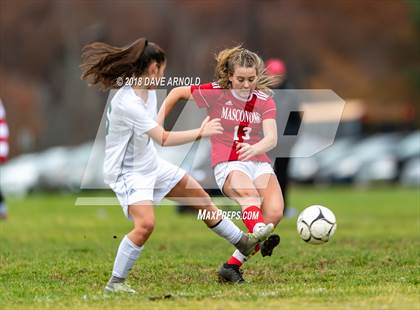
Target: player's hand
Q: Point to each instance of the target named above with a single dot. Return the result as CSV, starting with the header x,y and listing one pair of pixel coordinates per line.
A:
x,y
211,127
245,151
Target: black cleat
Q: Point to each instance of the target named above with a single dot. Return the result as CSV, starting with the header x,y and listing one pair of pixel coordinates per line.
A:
x,y
231,273
269,244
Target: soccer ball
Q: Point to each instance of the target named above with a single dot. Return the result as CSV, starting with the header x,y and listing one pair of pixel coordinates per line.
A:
x,y
316,224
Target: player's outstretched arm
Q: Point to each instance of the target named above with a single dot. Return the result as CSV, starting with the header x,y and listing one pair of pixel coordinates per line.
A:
x,y
176,94
246,151
169,138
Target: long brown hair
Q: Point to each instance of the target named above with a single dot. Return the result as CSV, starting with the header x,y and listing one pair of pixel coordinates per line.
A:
x,y
228,58
102,64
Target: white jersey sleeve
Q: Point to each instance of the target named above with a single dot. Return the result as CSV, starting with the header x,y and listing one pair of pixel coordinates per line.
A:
x,y
138,118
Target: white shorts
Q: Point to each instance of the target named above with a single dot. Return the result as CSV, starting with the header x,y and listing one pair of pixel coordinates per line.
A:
x,y
154,186
253,169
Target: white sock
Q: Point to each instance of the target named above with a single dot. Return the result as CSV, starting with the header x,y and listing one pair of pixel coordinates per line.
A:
x,y
228,230
239,256
127,255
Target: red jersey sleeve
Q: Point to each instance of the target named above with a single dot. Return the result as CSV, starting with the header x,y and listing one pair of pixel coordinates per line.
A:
x,y
203,94
269,109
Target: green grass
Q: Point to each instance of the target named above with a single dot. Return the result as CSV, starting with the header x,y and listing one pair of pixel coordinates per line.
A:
x,y
57,255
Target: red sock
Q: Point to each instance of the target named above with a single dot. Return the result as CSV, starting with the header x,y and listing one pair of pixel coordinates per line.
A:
x,y
250,221
249,218
234,261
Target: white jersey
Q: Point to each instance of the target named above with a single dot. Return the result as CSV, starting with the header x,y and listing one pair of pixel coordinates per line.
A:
x,y
128,148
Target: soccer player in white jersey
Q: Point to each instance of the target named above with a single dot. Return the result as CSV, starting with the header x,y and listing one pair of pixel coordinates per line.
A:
x,y
240,97
132,168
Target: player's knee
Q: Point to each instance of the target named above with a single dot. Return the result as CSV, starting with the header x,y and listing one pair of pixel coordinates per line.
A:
x,y
148,226
247,193
145,227
247,197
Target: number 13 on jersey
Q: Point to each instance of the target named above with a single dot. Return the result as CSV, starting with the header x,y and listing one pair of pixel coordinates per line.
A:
x,y
247,132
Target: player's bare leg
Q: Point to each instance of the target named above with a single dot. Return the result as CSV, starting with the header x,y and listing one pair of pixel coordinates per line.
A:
x,y
131,246
239,187
189,192
272,207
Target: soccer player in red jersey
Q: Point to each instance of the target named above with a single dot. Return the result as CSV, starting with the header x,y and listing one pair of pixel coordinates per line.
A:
x,y
240,97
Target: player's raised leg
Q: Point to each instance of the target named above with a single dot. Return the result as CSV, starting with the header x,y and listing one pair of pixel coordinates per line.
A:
x,y
239,187
189,192
131,246
272,207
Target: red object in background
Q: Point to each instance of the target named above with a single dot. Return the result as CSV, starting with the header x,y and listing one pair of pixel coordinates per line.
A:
x,y
275,66
409,113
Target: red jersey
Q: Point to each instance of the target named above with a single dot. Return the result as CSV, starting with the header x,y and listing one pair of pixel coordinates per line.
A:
x,y
241,119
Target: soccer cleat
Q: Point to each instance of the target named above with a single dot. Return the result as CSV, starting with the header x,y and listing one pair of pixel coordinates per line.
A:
x,y
230,273
269,244
247,243
262,231
119,288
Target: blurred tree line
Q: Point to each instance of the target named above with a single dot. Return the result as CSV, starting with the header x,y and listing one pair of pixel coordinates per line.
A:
x,y
359,49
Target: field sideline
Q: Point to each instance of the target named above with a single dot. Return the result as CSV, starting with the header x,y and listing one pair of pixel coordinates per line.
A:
x,y
56,255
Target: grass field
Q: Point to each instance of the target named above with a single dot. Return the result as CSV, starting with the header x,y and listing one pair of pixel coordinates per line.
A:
x,y
56,255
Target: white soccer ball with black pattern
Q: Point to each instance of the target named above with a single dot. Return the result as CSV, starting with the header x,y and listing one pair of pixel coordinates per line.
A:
x,y
316,224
